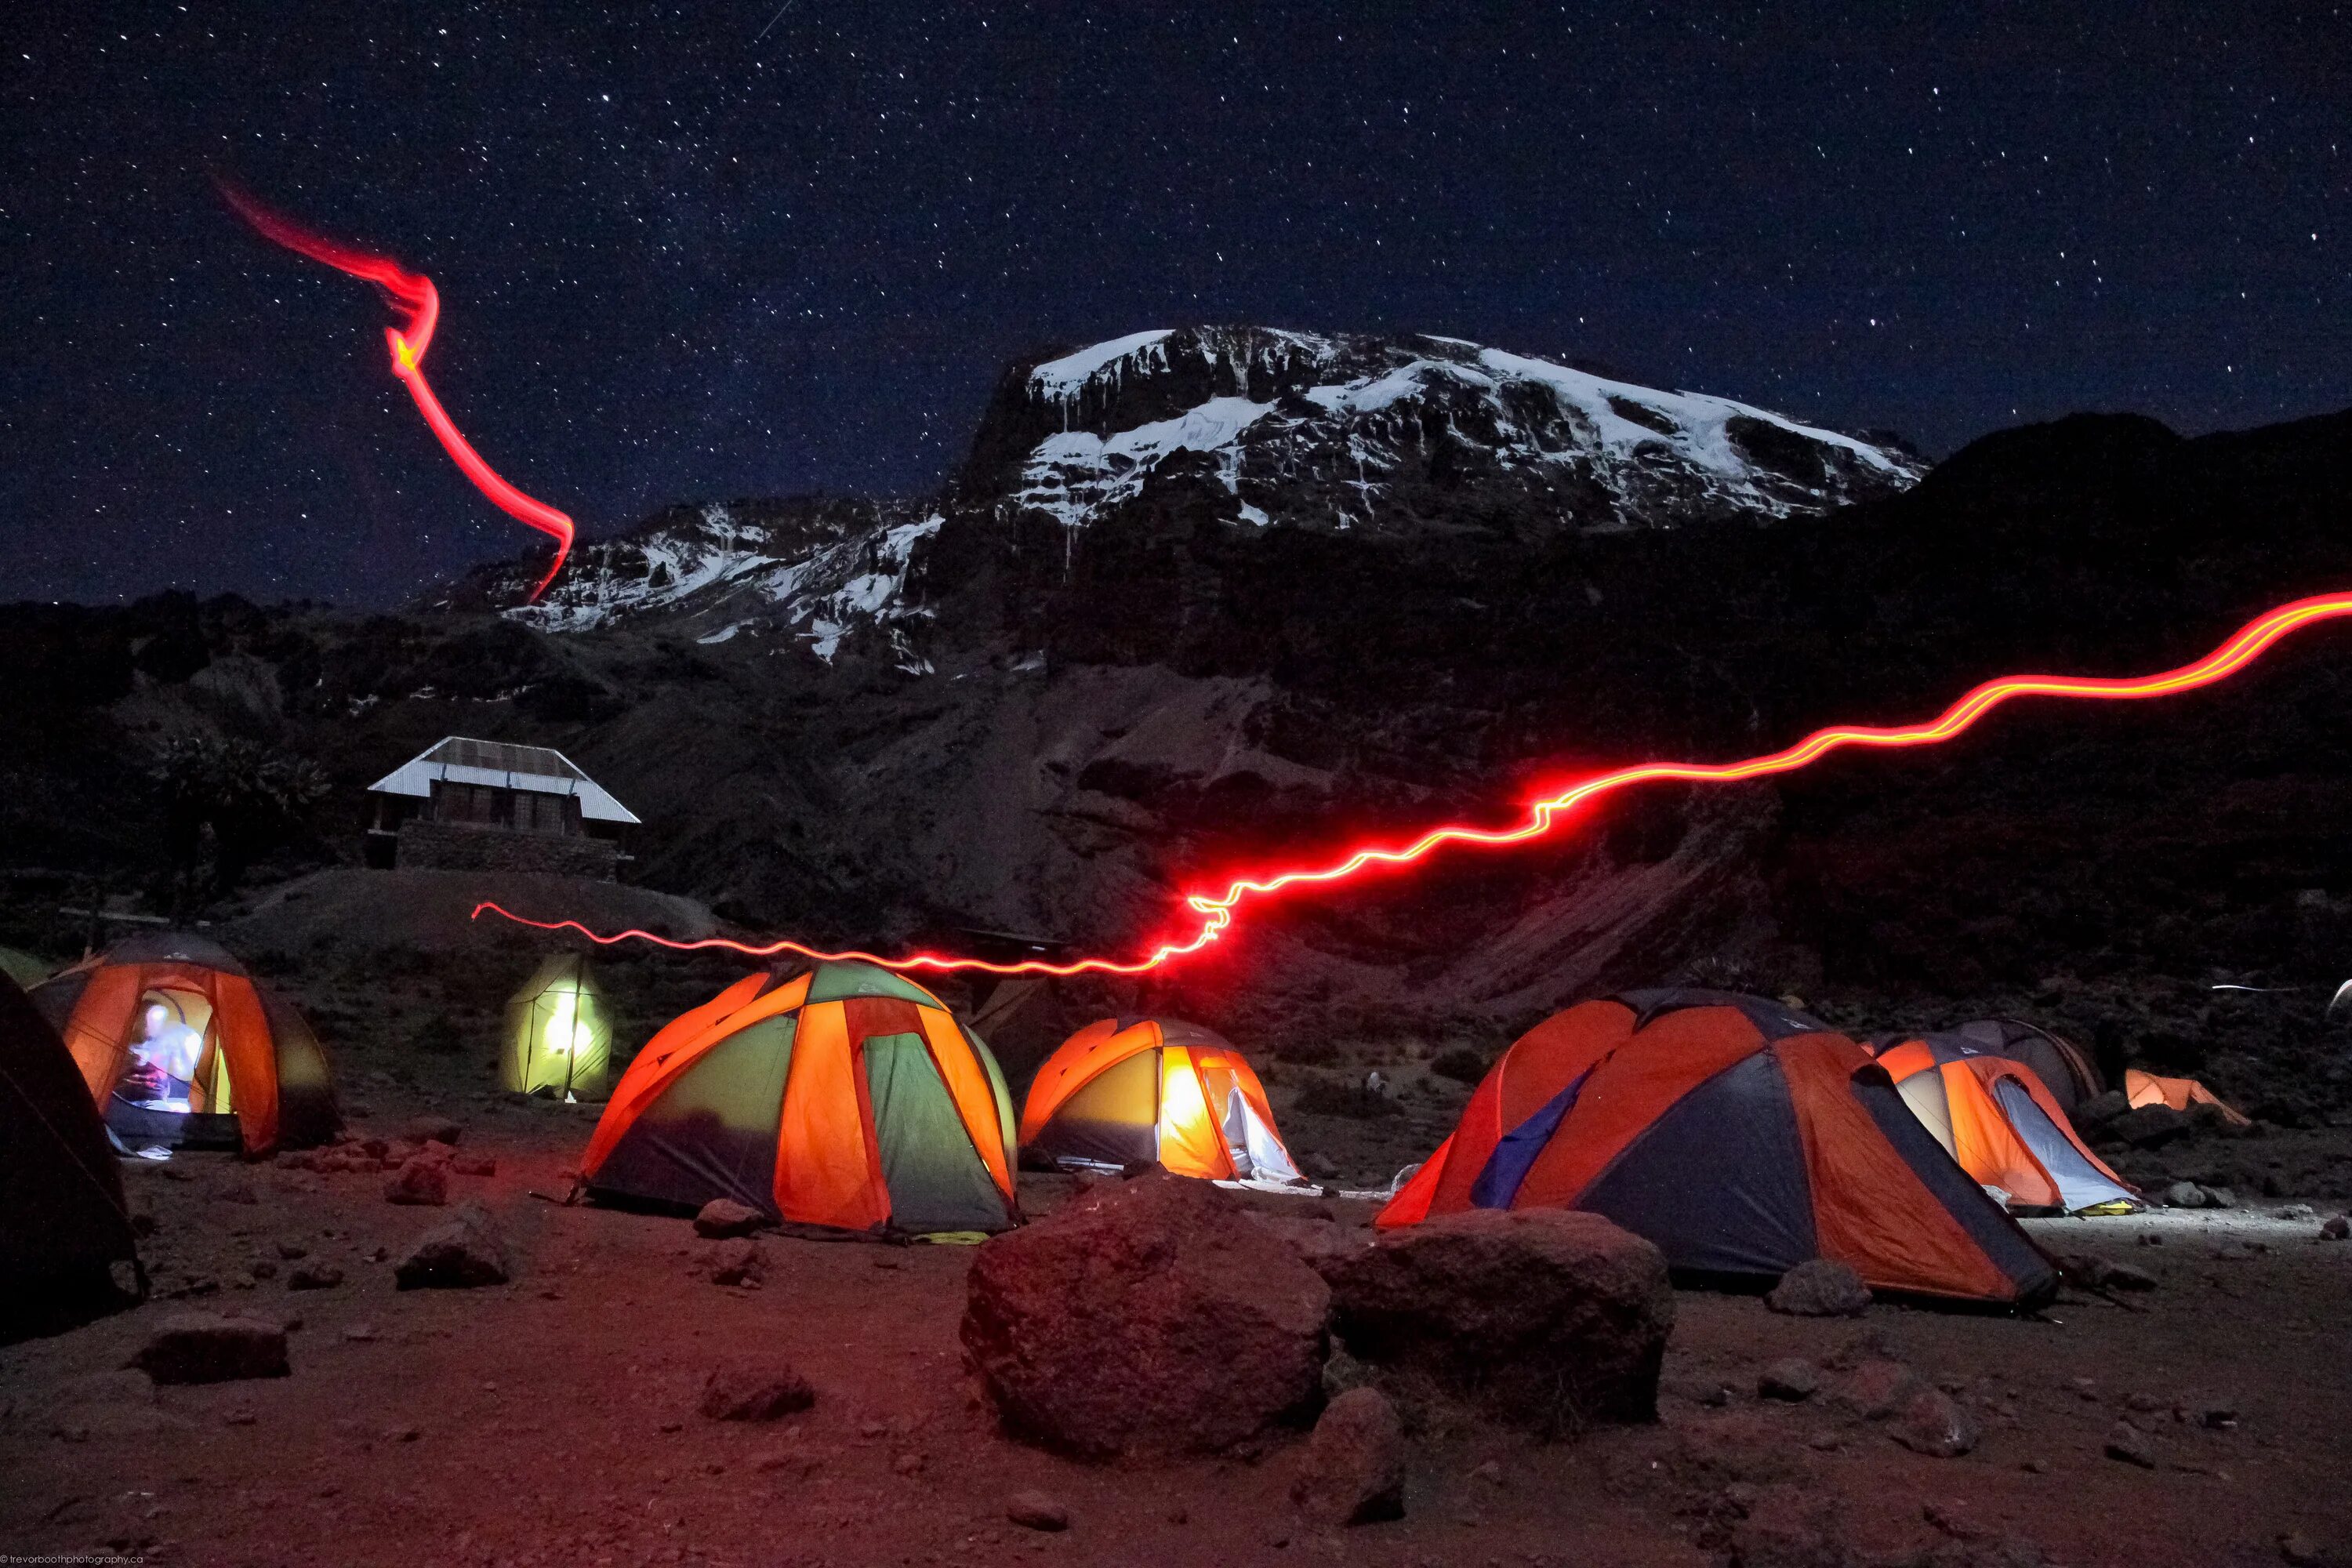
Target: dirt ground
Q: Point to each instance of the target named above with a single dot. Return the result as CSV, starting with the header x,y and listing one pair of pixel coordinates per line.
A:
x,y
553,1420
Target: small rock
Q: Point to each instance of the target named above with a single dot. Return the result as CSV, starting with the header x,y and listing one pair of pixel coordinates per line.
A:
x,y
433,1130
907,1465
1819,1287
755,1391
1876,1389
2100,1111
2184,1195
737,1262
2335,1229
262,1268
1489,1471
2295,1212
2216,1415
1793,1379
238,1193
2301,1550
1318,1164
2129,1444
314,1277
467,1252
2150,1127
2220,1199
473,1166
1036,1510
723,1218
418,1181
290,1249
202,1347
361,1333
2124,1276
1932,1422
1354,1468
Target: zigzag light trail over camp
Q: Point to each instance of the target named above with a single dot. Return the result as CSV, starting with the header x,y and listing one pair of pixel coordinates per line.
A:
x,y
1217,912
413,294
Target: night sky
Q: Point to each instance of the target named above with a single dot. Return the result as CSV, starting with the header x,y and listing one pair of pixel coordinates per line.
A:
x,y
729,248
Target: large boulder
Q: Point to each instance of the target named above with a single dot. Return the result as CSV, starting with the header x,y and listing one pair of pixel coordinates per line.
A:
x,y
467,1252
1149,1316
1547,1318
204,1347
2150,1127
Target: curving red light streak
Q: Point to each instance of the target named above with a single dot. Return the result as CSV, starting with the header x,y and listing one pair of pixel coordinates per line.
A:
x,y
1217,910
413,293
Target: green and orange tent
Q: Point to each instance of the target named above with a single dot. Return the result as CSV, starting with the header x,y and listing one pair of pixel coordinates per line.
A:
x,y
1126,1089
259,1081
1739,1135
846,1098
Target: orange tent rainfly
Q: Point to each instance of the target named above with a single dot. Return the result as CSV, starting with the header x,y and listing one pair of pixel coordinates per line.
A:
x,y
179,1046
2179,1093
1739,1136
1998,1118
1126,1090
846,1098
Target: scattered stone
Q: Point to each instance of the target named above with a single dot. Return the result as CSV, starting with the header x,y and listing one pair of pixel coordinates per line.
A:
x,y
262,1268
473,1166
2295,1212
1489,1471
1145,1315
755,1391
2220,1199
910,1465
2216,1415
1819,1287
203,1347
1354,1467
1546,1318
466,1252
737,1262
721,1219
2129,1444
1876,1390
1036,1510
1793,1379
1318,1164
2150,1127
290,1249
418,1181
361,1333
2335,1229
2125,1277
2184,1195
237,1193
1935,1424
2300,1550
433,1130
314,1277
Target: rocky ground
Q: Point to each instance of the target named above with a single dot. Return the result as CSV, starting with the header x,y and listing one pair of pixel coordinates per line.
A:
x,y
558,1418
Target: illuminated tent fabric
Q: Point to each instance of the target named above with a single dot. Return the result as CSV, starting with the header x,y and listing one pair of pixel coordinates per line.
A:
x,y
847,1098
1124,1089
1739,1136
1998,1118
2179,1093
2064,1067
559,1036
22,967
63,1221
260,1081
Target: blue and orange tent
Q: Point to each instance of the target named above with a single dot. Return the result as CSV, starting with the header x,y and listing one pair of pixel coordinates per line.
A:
x,y
1740,1136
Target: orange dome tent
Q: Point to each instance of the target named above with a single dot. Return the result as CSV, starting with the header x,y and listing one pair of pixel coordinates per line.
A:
x,y
1124,1089
2002,1122
179,1046
2179,1093
1739,1136
846,1098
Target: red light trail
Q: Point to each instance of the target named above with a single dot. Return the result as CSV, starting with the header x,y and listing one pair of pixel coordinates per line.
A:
x,y
1217,911
413,294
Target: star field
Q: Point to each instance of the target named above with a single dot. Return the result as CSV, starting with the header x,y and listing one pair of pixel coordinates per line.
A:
x,y
696,251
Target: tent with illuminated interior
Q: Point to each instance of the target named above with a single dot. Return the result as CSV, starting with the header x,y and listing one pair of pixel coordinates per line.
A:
x,y
179,1046
1996,1117
2064,1067
1126,1089
559,1036
847,1098
63,1221
2144,1088
1740,1136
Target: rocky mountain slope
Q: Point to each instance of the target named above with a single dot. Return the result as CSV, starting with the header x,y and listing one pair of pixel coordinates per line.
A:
x,y
889,724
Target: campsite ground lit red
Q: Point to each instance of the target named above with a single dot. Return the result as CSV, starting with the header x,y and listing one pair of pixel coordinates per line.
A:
x,y
553,1420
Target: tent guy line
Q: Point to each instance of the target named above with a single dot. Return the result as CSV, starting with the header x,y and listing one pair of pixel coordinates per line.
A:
x,y
413,294
1216,912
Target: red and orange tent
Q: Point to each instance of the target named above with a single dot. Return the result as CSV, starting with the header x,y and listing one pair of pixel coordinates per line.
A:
x,y
1126,1090
1739,1136
846,1098
256,1077
2000,1121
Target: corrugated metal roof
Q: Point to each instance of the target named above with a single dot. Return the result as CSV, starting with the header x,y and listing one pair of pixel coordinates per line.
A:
x,y
541,769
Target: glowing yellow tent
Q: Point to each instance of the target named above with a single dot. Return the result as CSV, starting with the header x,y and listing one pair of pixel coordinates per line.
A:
x,y
559,1033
